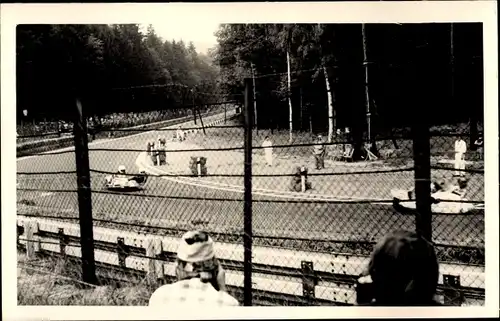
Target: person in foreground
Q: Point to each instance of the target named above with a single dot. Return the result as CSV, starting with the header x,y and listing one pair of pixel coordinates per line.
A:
x,y
200,276
403,271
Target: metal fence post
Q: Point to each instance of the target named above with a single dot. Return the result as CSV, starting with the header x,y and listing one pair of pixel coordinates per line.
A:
x,y
422,159
84,195
247,212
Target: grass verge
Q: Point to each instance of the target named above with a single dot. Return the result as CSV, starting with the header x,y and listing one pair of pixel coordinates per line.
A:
x,y
56,281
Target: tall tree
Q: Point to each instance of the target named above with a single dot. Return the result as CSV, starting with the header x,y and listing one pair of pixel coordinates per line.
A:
x,y
55,62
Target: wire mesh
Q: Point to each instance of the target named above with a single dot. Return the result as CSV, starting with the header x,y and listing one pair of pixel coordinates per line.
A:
x,y
319,204
317,212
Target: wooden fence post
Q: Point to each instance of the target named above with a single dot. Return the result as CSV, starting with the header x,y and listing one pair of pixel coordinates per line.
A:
x,y
84,195
452,294
31,246
153,249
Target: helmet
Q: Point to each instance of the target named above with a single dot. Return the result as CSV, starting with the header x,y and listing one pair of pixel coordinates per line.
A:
x,y
462,182
121,169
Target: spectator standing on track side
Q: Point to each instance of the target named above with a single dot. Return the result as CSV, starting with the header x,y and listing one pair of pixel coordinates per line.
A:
x,y
479,146
268,150
460,149
403,271
162,150
319,152
200,277
180,134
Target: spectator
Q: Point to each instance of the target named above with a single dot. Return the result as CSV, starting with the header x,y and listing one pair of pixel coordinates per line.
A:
x,y
268,150
180,134
479,146
200,277
403,271
319,152
149,148
162,140
460,149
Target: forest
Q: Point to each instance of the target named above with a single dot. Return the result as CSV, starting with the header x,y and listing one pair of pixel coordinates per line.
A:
x,y
309,77
409,70
112,68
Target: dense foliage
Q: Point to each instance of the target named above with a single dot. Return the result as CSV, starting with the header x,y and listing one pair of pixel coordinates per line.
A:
x,y
111,67
415,72
411,70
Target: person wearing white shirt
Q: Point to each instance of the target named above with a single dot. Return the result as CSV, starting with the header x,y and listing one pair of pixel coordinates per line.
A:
x,y
200,277
180,134
268,150
460,149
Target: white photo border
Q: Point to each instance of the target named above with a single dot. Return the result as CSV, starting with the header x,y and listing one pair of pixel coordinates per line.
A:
x,y
334,12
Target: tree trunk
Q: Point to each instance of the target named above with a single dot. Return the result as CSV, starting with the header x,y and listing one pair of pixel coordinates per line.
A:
x,y
290,118
254,102
452,65
370,136
194,110
310,121
331,110
301,111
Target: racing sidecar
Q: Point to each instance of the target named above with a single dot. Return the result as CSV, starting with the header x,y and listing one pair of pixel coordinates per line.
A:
x,y
123,183
444,202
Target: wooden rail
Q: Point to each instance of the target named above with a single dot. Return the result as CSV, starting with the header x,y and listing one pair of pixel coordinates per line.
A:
x,y
315,278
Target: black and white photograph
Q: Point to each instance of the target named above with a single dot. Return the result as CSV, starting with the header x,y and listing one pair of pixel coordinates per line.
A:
x,y
184,162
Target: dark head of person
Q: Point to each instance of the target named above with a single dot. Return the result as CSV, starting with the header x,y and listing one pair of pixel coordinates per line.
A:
x,y
404,271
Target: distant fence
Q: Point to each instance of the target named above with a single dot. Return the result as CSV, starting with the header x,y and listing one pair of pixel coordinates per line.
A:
x,y
281,276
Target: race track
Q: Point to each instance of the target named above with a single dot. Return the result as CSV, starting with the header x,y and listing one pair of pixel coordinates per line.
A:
x,y
166,203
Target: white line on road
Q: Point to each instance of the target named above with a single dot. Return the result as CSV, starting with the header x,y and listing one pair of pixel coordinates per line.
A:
x,y
141,162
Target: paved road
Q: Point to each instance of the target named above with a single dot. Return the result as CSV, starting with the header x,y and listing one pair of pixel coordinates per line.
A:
x,y
170,204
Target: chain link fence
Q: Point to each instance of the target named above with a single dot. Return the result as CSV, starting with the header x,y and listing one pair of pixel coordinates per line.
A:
x,y
317,207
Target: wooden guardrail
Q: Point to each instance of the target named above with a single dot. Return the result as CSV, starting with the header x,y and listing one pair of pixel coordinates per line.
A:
x,y
295,277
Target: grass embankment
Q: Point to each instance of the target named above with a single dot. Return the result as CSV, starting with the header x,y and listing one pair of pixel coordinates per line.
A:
x,y
52,281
